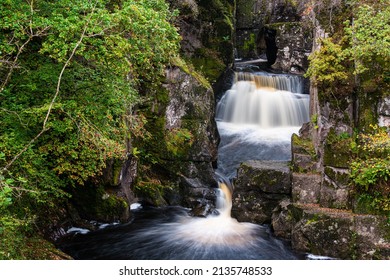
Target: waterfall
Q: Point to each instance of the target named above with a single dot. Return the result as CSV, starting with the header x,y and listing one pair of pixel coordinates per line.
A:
x,y
265,100
257,117
172,233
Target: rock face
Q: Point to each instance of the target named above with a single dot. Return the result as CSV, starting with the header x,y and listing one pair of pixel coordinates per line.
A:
x,y
259,188
321,217
207,29
293,42
191,109
274,30
333,233
384,112
173,164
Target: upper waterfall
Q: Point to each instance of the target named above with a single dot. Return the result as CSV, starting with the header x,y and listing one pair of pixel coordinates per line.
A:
x,y
266,100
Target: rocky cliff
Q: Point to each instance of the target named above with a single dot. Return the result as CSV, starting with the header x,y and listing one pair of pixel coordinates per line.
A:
x,y
327,212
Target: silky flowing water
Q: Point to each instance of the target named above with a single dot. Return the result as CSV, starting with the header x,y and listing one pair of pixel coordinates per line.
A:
x,y
255,120
257,117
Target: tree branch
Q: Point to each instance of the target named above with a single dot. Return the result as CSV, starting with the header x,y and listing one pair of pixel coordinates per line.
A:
x,y
44,128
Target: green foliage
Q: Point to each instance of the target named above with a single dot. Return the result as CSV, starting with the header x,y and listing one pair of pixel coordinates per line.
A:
x,y
366,45
70,73
372,165
326,64
370,170
13,235
314,120
153,191
369,37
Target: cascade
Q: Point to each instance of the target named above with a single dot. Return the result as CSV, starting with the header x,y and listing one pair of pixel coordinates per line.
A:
x,y
265,100
172,233
255,118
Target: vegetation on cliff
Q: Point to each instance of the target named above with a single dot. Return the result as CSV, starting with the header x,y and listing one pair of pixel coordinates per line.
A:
x,y
70,73
353,62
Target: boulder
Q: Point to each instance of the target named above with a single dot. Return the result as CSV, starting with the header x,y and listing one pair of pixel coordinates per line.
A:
x,y
259,187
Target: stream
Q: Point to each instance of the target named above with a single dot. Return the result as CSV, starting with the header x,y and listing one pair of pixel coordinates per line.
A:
x,y
255,119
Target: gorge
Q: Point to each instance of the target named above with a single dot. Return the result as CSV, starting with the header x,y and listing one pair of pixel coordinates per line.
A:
x,y
195,129
299,185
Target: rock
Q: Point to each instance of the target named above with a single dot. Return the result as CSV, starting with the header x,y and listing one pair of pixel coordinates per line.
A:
x,y
304,157
334,233
191,107
207,29
293,43
273,29
306,188
283,220
266,176
384,112
334,196
321,234
185,149
259,188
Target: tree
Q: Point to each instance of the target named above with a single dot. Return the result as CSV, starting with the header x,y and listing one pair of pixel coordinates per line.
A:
x,y
70,71
365,44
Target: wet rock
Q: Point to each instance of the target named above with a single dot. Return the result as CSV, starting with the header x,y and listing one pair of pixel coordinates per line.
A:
x,y
259,188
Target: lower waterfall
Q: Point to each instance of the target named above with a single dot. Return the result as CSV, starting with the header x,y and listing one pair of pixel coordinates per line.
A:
x,y
171,233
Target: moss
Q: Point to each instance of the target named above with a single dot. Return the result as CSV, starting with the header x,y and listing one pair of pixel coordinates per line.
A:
x,y
371,204
217,38
179,141
191,70
209,65
37,248
312,218
117,169
337,150
341,178
368,114
353,246
96,203
303,146
250,43
152,192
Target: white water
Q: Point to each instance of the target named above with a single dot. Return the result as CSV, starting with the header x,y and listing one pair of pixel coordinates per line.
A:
x,y
264,100
257,117
255,120
171,233
219,229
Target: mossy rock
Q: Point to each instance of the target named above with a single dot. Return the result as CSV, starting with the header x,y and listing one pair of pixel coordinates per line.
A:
x,y
264,176
151,192
96,203
303,145
339,176
364,203
337,150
